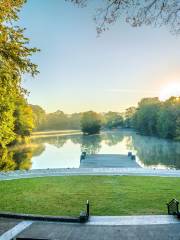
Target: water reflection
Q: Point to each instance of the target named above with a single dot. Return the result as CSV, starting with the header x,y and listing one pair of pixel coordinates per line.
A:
x,y
91,144
152,151
19,157
64,151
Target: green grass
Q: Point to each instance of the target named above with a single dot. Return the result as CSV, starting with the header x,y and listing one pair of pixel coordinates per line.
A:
x,y
108,195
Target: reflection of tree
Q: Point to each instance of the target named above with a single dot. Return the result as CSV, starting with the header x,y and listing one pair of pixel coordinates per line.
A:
x,y
37,149
128,143
19,157
6,160
88,142
76,139
112,138
59,141
150,150
91,144
22,159
153,151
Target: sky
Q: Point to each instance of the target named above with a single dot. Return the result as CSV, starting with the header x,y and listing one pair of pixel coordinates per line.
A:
x,y
80,71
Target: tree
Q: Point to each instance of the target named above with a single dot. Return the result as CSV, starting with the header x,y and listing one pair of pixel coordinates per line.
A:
x,y
168,121
14,61
7,107
137,13
130,117
90,123
56,121
23,115
74,121
39,117
146,116
112,120
177,134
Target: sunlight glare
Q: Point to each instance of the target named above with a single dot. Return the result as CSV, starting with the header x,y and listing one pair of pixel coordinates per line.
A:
x,y
173,89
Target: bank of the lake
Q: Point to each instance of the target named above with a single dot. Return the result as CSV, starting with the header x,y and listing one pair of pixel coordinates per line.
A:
x,y
108,195
54,133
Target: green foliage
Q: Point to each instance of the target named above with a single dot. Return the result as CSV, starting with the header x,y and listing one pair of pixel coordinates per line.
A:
x,y
90,123
178,128
7,106
54,121
129,117
14,61
23,117
147,116
74,121
57,120
168,119
39,116
112,120
60,121
153,117
6,162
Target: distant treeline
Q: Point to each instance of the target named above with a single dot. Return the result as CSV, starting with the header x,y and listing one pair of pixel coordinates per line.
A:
x,y
152,117
60,121
156,118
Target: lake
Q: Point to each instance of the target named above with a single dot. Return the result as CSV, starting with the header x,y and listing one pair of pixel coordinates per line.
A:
x,y
63,151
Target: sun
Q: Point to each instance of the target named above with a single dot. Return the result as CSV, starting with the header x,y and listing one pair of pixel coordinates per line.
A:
x,y
172,89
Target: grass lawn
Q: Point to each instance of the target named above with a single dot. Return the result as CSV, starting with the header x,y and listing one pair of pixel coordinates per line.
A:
x,y
108,195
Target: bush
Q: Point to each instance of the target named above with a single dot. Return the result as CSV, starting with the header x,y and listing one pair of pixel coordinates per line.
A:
x,y
90,123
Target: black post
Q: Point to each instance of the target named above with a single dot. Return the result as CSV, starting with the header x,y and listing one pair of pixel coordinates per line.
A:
x,y
87,206
84,216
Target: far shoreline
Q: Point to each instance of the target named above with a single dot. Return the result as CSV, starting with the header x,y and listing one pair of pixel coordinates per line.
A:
x,y
54,133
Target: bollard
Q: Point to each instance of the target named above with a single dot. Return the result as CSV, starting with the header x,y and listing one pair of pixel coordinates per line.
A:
x,y
84,216
129,154
83,155
87,207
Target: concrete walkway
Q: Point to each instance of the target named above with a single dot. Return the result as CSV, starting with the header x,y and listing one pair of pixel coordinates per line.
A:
x,y
133,220
120,227
88,171
98,228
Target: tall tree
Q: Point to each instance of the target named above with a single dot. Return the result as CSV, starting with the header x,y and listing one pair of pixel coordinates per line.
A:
x,y
146,116
15,60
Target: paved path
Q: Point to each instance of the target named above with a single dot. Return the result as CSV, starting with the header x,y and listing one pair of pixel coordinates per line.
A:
x,y
133,220
151,227
88,171
99,228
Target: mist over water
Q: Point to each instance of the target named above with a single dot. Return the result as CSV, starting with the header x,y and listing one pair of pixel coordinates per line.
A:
x,y
64,151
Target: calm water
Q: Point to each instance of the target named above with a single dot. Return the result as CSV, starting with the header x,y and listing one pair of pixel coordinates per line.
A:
x,y
64,151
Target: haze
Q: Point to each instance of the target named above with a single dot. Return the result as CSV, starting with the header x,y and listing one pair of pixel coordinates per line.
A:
x,y
79,71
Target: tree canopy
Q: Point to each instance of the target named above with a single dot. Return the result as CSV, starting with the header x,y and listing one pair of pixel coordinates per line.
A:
x,y
137,13
156,118
90,123
15,61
